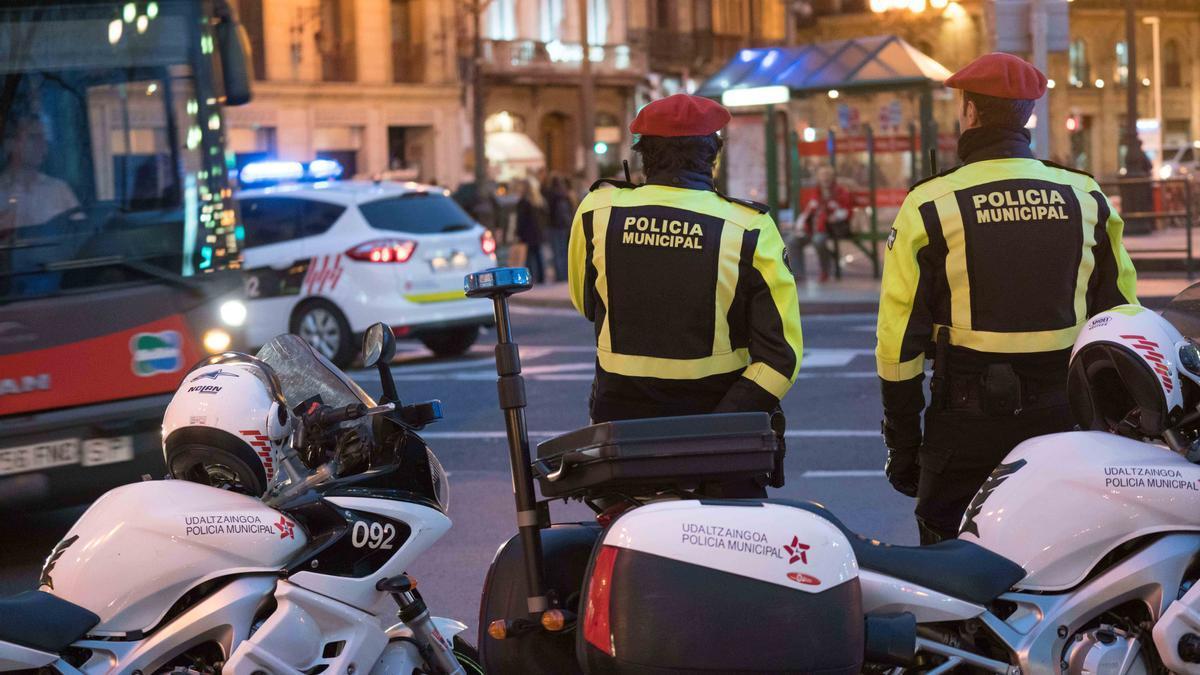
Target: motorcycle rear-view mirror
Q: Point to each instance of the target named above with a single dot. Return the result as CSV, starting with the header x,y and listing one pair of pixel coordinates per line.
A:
x,y
379,348
379,345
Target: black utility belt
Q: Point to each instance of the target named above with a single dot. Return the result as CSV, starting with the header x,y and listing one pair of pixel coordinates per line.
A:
x,y
1000,392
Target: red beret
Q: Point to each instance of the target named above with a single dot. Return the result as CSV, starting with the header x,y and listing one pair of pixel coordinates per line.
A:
x,y
1000,75
680,115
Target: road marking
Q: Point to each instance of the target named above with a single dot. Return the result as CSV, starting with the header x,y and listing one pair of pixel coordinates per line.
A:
x,y
538,310
490,435
842,473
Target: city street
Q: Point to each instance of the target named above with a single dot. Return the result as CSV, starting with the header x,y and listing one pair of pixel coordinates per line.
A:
x,y
835,452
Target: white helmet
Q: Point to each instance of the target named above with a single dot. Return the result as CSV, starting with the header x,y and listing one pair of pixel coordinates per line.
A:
x,y
1132,372
226,423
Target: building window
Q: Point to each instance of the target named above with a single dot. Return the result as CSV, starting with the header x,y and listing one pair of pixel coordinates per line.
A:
x,y
1121,66
552,15
1080,71
597,22
335,40
661,14
408,41
501,21
250,13
1172,67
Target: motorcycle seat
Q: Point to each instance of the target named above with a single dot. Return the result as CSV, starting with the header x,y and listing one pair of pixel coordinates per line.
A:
x,y
39,620
958,568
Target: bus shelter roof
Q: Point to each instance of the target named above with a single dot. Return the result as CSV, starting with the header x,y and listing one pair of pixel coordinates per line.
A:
x,y
878,62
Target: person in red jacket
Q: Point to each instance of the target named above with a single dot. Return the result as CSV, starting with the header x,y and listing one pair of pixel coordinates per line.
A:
x,y
825,215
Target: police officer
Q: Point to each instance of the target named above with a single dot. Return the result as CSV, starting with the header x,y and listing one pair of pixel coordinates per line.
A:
x,y
991,269
694,307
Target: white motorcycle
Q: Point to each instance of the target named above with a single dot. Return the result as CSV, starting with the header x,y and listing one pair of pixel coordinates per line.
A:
x,y
1079,555
284,551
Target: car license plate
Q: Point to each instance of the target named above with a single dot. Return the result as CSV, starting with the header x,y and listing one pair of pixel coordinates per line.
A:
x,y
63,452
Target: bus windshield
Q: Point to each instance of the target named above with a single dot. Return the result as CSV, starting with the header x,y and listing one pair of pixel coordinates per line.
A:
x,y
107,120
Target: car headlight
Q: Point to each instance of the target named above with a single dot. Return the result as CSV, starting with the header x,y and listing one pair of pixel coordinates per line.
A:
x,y
217,341
233,313
1165,171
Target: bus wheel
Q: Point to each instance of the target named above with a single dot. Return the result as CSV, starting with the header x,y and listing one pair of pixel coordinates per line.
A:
x,y
321,324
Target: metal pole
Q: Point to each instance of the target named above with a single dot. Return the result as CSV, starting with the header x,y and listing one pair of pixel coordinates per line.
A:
x,y
1136,163
587,98
477,102
1041,108
871,192
508,367
1187,200
928,130
1155,25
772,153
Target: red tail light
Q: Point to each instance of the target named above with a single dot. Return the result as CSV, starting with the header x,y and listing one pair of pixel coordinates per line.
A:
x,y
487,242
384,251
596,628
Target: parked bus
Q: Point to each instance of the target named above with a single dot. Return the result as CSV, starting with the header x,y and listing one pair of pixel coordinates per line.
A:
x,y
119,239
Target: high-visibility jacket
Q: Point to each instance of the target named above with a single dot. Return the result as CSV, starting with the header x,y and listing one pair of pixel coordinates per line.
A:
x,y
1011,256
694,307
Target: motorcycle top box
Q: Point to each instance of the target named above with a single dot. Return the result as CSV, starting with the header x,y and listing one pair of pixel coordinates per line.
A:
x,y
661,453
721,587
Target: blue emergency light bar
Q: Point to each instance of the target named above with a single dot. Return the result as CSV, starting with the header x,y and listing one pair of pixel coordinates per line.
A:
x,y
274,171
497,281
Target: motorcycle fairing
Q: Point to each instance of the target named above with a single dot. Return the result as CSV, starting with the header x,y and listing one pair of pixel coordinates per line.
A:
x,y
1077,497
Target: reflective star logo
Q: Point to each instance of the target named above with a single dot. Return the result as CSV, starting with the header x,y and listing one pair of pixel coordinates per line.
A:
x,y
287,529
797,550
214,374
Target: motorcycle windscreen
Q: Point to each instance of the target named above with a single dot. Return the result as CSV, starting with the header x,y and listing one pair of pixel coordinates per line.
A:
x,y
1184,312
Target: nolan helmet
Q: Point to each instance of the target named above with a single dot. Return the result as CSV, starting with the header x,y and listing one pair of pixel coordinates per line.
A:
x,y
1132,372
226,424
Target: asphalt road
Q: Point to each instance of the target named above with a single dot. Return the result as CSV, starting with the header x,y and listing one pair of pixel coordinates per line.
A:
x,y
835,455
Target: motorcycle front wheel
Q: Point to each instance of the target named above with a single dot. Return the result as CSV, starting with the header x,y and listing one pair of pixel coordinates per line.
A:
x,y
467,656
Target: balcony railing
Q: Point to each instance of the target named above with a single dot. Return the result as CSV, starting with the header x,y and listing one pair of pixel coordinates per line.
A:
x,y
530,57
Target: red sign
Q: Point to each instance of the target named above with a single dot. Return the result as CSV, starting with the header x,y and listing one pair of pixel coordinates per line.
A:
x,y
139,361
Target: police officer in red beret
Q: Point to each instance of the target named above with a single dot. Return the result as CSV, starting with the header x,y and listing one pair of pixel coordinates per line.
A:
x,y
694,307
991,269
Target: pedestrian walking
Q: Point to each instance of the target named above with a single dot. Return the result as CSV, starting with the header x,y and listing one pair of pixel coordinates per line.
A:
x,y
694,308
825,217
991,269
531,217
561,210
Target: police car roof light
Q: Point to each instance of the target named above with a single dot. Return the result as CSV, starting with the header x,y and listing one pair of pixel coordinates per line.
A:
x,y
271,171
324,169
274,171
496,281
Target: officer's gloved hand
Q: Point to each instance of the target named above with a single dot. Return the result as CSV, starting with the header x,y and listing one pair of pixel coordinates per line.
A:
x,y
903,470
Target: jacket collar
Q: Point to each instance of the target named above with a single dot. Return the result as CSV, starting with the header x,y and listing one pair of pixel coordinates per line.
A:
x,y
690,180
983,143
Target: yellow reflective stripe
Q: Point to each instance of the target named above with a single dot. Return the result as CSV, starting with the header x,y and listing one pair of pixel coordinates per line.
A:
x,y
1089,209
672,369
768,378
728,257
899,372
898,290
768,260
599,236
1014,343
436,297
1126,274
956,260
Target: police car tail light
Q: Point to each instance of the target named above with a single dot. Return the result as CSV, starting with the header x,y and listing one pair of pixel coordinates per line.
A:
x,y
596,627
384,251
487,242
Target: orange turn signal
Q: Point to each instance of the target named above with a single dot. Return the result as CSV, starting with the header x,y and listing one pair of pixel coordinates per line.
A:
x,y
554,620
498,629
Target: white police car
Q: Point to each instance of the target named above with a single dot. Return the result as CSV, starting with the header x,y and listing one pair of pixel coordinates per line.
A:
x,y
325,259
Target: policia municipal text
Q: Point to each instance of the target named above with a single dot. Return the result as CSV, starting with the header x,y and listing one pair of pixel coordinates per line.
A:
x,y
694,307
991,269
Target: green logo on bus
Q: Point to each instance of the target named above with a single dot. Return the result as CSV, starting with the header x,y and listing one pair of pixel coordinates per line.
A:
x,y
155,353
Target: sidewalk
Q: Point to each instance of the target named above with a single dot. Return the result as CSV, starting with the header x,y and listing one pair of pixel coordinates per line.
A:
x,y
857,291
